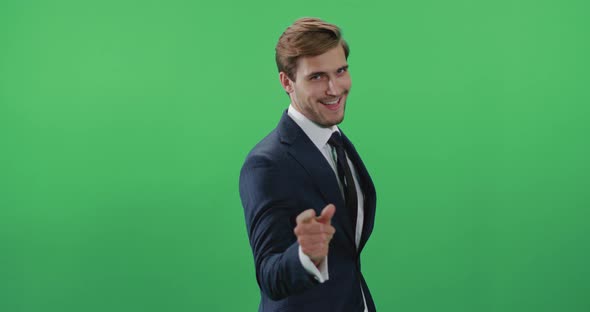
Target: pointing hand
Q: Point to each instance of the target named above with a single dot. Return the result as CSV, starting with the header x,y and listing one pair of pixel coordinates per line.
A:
x,y
315,232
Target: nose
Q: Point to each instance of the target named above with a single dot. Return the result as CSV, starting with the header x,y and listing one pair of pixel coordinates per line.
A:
x,y
333,87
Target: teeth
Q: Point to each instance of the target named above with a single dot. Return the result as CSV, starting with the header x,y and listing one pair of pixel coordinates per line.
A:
x,y
332,102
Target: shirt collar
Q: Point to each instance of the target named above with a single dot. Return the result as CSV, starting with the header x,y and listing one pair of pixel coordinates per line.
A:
x,y
318,135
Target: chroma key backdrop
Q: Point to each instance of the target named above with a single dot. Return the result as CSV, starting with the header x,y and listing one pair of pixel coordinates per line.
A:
x,y
124,124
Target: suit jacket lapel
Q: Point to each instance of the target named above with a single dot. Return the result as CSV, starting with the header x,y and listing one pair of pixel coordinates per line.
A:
x,y
315,164
367,187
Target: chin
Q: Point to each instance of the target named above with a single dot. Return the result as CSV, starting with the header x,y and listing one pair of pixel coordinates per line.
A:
x,y
333,122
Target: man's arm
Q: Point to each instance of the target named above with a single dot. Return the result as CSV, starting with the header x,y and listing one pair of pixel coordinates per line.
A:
x,y
271,218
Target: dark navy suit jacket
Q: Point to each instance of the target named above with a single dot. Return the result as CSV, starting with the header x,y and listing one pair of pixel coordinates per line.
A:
x,y
282,176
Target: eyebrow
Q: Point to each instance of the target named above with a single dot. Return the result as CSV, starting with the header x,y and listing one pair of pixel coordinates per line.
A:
x,y
323,73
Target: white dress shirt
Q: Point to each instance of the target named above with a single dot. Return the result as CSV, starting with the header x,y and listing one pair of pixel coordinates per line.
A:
x,y
320,136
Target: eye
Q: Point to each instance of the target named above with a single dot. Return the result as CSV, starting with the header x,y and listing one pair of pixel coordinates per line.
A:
x,y
342,70
315,77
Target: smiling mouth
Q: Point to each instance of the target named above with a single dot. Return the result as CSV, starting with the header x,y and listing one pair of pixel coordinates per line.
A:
x,y
334,104
331,102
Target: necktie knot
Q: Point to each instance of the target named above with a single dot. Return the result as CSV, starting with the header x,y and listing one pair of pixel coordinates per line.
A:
x,y
335,140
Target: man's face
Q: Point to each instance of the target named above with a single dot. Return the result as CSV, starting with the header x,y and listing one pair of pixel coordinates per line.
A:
x,y
321,87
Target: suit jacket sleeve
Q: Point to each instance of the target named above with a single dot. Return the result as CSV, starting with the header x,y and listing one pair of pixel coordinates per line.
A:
x,y
270,212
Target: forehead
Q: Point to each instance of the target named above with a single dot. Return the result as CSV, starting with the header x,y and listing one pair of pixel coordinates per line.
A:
x,y
331,60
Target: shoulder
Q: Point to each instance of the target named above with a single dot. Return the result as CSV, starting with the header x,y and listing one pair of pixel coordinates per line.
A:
x,y
264,169
274,146
269,157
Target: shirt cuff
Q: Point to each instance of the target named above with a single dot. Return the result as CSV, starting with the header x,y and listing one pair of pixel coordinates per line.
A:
x,y
321,273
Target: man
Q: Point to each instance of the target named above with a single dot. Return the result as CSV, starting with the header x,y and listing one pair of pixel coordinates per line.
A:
x,y
308,199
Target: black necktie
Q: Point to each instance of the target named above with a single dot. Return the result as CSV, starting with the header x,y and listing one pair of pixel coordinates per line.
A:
x,y
345,176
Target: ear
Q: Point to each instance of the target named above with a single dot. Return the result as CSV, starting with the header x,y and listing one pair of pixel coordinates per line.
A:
x,y
286,82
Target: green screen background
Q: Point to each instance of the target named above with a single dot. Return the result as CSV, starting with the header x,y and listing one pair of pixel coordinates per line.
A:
x,y
124,124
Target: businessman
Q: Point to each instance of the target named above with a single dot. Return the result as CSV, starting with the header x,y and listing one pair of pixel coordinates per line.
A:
x,y
308,199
